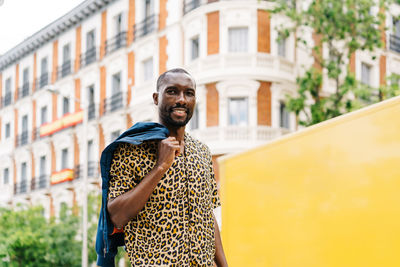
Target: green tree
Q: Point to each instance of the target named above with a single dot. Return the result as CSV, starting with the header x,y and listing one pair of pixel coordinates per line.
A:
x,y
341,27
27,238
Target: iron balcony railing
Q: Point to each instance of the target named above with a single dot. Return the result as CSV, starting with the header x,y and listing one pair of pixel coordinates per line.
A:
x,y
113,103
92,170
88,57
91,111
145,27
395,43
22,139
21,187
23,91
6,100
64,70
40,182
115,43
190,5
43,80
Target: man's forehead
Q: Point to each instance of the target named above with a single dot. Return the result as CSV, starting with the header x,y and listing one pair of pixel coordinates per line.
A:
x,y
178,78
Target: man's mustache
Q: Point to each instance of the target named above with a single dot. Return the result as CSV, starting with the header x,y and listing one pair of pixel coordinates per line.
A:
x,y
179,106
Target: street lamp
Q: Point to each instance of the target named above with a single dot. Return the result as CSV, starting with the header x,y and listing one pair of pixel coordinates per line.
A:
x,y
85,175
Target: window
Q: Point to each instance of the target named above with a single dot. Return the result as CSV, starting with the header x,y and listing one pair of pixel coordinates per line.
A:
x,y
148,69
6,176
281,46
118,23
23,172
66,54
114,135
65,105
8,130
64,158
90,151
365,74
43,115
24,123
283,116
194,121
43,66
44,77
25,78
90,40
194,44
238,111
396,27
42,166
8,86
148,8
116,83
238,39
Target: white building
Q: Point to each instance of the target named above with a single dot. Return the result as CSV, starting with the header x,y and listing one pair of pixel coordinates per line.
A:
x,y
108,54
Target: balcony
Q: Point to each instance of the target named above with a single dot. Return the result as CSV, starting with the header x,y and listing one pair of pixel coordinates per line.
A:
x,y
64,70
91,111
21,187
395,43
93,167
113,103
40,182
88,57
22,139
115,43
43,80
145,27
23,91
236,138
6,100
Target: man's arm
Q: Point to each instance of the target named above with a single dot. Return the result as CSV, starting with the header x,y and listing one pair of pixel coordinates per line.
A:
x,y
220,259
125,207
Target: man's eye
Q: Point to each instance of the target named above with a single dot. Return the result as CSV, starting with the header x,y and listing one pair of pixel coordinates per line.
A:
x,y
171,91
190,93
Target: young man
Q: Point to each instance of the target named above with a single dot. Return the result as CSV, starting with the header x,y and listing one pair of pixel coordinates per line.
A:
x,y
163,192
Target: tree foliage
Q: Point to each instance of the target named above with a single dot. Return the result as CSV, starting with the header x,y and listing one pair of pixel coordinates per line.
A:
x,y
340,28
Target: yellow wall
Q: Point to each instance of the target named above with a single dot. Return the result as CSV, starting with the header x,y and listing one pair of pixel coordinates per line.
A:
x,y
326,196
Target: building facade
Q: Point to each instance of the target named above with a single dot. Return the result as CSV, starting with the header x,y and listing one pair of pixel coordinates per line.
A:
x,y
101,60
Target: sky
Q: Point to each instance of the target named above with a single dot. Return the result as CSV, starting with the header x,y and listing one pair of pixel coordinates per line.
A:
x,y
20,19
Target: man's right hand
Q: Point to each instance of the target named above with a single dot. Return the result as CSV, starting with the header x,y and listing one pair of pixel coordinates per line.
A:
x,y
168,149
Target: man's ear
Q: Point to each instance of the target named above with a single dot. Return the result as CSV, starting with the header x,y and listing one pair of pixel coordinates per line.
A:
x,y
155,98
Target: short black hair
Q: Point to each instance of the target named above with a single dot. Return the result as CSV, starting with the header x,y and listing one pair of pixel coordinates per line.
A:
x,y
176,70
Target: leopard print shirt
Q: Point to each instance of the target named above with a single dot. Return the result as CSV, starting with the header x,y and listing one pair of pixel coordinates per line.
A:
x,y
176,226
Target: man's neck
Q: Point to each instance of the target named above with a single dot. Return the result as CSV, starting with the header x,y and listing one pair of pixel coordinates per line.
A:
x,y
177,132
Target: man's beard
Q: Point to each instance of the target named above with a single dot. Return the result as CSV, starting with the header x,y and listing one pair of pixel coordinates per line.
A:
x,y
167,118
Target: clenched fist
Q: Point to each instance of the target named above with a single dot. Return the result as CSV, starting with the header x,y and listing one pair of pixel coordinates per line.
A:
x,y
168,149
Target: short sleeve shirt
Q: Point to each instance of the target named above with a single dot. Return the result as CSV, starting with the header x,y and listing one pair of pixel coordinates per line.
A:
x,y
176,225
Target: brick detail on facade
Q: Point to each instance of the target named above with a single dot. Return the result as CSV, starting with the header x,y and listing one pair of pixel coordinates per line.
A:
x,y
129,121
131,75
263,31
54,99
78,48
101,140
53,157
213,33
163,42
382,70
15,126
317,42
33,118
77,94
163,15
131,21
353,63
16,81
55,62
103,35
264,104
52,210
102,89
212,105
34,72
76,151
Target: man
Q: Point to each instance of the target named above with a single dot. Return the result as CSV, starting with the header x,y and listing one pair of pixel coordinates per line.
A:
x,y
163,192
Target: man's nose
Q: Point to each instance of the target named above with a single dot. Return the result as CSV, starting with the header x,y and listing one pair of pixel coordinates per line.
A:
x,y
181,98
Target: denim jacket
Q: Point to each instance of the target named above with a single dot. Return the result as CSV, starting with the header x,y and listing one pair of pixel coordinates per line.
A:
x,y
107,245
